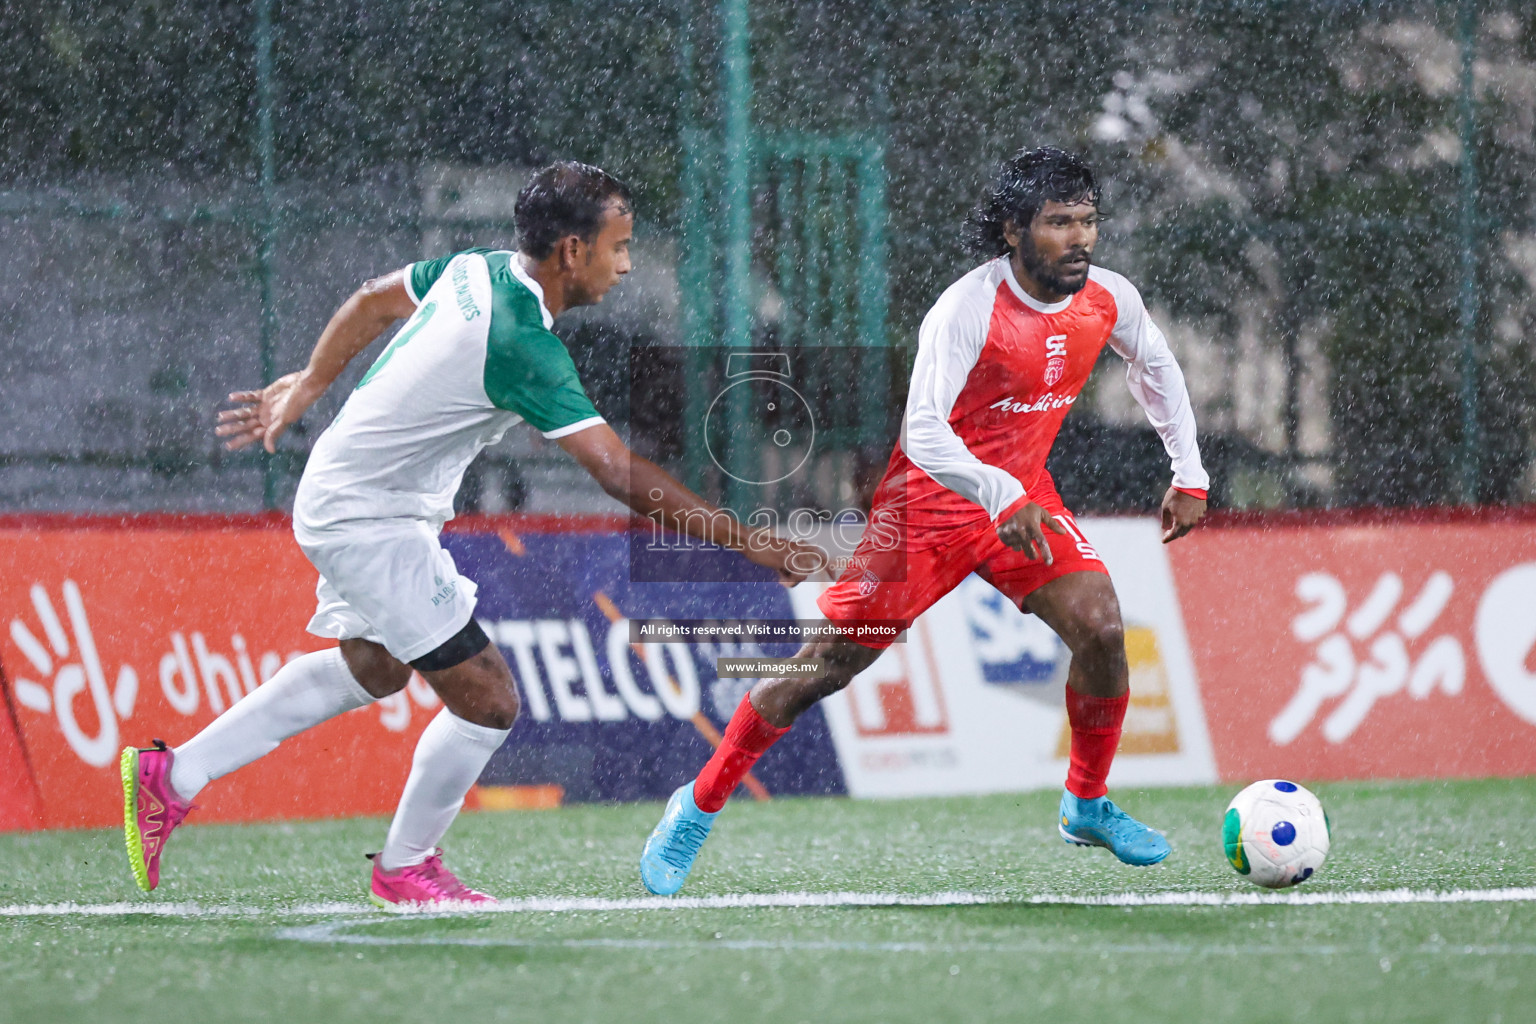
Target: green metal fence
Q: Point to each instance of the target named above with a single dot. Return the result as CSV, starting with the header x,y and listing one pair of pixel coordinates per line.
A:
x,y
816,241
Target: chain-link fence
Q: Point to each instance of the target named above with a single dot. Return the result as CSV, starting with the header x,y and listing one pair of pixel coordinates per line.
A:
x,y
1324,203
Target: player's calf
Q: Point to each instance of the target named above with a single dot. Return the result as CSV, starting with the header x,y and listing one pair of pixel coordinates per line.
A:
x,y
477,687
783,700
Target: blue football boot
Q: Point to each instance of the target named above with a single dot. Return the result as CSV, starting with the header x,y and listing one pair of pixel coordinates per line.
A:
x,y
1100,823
674,843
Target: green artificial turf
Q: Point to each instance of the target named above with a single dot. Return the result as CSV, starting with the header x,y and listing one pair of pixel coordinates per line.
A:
x,y
253,944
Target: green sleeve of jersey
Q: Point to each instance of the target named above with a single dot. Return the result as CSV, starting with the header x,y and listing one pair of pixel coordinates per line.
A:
x,y
527,368
421,276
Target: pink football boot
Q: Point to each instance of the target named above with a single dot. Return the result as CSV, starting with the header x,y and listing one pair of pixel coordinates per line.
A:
x,y
427,884
151,809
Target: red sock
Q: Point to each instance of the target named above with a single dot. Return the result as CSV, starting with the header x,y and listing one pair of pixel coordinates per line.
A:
x,y
745,740
1096,725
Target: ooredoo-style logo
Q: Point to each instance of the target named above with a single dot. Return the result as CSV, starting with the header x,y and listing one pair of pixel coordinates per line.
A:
x,y
68,666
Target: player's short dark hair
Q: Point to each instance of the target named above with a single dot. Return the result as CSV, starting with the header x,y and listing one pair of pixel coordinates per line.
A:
x,y
565,198
1022,185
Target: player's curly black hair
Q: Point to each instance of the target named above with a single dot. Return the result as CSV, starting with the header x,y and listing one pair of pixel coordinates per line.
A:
x,y
563,199
1023,184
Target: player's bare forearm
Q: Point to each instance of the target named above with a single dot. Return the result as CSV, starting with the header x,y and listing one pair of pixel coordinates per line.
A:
x,y
656,494
262,415
650,490
1181,512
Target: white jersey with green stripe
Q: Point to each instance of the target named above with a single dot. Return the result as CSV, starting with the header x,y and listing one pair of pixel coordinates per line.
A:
x,y
477,357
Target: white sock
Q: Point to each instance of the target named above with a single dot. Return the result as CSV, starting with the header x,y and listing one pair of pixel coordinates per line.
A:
x,y
305,692
449,758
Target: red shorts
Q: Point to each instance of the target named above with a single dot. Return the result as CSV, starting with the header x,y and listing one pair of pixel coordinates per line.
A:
x,y
900,582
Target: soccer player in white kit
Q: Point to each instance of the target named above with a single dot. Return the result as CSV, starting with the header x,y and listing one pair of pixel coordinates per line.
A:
x,y
475,357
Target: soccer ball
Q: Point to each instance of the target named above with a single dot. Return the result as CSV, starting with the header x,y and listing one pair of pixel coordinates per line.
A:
x,y
1275,834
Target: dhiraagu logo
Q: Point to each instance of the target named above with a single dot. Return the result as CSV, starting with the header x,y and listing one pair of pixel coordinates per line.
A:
x,y
407,332
77,671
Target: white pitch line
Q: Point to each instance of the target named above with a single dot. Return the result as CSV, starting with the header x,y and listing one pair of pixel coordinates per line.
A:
x,y
792,900
147,909
340,932
961,899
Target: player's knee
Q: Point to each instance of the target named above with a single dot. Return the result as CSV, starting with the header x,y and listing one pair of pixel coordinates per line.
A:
x,y
846,659
837,677
807,692
499,702
503,706
1104,636
841,661
385,680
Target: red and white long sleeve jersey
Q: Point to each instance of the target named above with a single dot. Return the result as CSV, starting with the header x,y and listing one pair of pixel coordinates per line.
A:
x,y
996,372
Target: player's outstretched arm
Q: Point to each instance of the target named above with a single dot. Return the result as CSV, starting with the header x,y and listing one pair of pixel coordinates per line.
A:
x,y
654,493
263,415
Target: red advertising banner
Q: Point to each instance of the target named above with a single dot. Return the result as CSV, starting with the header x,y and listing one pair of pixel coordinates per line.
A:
x,y
1362,647
120,632
18,790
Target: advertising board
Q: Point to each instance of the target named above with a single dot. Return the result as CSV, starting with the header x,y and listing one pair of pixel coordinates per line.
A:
x,y
117,636
604,719
1321,649
1365,649
123,631
973,701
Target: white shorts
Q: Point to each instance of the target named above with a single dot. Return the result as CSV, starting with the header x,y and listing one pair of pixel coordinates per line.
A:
x,y
389,581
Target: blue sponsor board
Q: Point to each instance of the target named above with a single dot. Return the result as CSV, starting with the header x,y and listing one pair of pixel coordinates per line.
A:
x,y
601,718
1012,649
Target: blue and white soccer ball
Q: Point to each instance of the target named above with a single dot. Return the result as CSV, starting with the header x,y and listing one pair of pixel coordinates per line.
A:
x,y
1275,834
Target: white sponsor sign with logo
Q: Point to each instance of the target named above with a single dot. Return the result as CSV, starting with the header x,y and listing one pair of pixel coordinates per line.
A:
x,y
973,701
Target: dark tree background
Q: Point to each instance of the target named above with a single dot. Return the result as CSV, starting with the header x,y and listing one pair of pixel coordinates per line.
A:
x,y
1285,178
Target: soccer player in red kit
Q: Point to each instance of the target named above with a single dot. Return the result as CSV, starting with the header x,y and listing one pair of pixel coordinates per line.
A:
x,y
1001,358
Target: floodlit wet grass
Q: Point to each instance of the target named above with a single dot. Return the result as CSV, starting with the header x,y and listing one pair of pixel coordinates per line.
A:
x,y
251,943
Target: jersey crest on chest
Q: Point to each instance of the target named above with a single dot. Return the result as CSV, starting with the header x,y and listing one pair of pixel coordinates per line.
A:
x,y
1034,352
